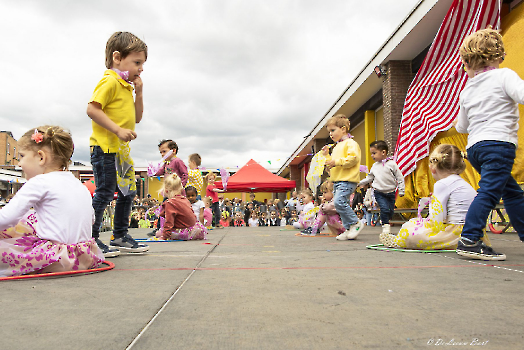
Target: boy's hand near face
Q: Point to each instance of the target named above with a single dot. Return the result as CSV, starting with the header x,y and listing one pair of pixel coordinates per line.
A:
x,y
138,85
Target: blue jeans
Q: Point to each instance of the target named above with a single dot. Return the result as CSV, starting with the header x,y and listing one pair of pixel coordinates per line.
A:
x,y
215,209
104,171
386,203
370,217
494,161
343,190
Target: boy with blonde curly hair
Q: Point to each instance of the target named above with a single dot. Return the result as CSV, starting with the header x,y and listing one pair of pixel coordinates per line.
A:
x,y
489,114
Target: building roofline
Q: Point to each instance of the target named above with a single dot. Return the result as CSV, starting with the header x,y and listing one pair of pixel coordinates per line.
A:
x,y
426,14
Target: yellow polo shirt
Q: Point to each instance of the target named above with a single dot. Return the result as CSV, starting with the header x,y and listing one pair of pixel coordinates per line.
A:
x,y
115,95
347,161
195,179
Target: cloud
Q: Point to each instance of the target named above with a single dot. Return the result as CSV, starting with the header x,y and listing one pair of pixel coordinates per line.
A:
x,y
230,79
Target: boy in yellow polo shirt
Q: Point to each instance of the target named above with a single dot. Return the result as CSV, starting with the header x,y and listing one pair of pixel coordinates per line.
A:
x,y
344,167
195,178
114,112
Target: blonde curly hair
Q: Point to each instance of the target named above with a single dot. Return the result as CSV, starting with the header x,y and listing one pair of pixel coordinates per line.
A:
x,y
339,120
481,48
448,158
172,185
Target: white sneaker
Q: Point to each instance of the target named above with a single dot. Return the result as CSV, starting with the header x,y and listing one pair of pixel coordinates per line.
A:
x,y
386,228
355,230
343,236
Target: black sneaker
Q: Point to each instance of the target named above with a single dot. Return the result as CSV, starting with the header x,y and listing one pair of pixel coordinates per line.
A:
x,y
152,233
306,232
127,244
108,252
478,250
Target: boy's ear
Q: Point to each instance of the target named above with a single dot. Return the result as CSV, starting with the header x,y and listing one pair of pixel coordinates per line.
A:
x,y
117,57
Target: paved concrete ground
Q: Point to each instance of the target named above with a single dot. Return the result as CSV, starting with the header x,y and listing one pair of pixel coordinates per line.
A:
x,y
265,288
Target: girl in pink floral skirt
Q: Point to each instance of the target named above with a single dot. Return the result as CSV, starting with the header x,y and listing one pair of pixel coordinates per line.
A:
x,y
46,227
180,220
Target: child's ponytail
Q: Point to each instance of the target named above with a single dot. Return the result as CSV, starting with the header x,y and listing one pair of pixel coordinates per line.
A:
x,y
448,158
56,138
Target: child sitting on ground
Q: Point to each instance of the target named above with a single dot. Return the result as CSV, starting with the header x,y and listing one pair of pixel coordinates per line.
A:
x,y
293,218
180,221
224,220
197,205
248,211
274,220
253,220
143,222
360,214
151,216
262,221
238,222
307,217
386,178
327,213
450,201
283,217
135,218
56,235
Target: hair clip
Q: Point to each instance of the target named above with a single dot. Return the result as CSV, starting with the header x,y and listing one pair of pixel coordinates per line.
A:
x,y
37,137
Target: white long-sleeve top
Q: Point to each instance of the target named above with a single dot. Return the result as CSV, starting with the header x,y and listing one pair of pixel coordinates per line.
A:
x,y
489,107
385,177
63,206
451,199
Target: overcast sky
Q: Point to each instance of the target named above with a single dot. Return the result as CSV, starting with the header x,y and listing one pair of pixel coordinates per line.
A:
x,y
228,79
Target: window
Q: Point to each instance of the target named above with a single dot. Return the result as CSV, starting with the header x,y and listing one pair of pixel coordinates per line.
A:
x,y
8,148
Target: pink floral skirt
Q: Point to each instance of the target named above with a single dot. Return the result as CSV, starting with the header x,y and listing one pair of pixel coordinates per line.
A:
x,y
333,221
195,232
23,252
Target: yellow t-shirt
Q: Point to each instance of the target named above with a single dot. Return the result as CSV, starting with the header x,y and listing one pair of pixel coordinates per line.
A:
x,y
347,161
194,178
115,96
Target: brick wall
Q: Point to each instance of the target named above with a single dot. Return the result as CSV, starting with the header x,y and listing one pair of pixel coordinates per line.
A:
x,y
5,157
394,88
295,174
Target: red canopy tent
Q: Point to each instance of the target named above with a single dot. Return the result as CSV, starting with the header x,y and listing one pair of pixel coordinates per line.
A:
x,y
253,177
90,184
